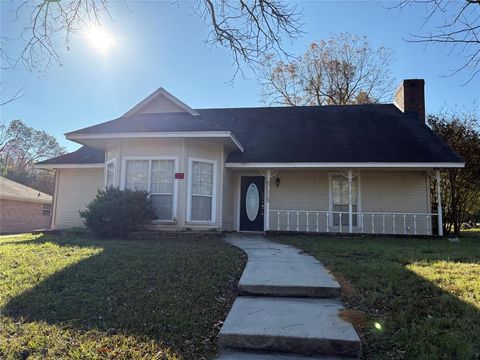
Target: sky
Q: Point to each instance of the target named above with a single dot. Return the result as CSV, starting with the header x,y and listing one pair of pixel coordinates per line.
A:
x,y
162,44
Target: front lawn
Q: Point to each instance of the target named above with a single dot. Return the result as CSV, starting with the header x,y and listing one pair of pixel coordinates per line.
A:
x,y
80,298
409,298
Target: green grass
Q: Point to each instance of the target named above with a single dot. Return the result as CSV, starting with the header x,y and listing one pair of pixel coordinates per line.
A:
x,y
81,298
424,293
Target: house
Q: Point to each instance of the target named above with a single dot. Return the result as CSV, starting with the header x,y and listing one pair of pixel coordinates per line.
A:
x,y
353,168
23,209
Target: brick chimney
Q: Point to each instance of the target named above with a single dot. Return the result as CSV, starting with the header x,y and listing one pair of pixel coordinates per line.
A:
x,y
410,98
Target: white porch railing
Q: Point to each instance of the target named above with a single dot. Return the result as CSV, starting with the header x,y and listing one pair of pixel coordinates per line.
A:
x,y
362,222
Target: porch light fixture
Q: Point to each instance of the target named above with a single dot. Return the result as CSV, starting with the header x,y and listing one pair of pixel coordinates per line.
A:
x,y
277,182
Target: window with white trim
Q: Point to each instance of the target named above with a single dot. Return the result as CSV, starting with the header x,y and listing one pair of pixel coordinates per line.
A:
x,y
340,200
47,209
158,178
202,190
110,173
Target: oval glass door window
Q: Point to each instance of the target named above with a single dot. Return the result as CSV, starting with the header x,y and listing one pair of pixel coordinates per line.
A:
x,y
252,202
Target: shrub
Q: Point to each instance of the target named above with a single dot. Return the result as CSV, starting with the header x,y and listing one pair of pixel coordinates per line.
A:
x,y
115,212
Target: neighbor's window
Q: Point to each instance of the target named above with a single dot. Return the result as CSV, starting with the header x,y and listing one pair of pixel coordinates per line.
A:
x,y
202,192
110,173
158,178
340,200
47,209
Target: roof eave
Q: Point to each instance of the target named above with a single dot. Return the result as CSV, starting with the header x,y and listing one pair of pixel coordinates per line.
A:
x,y
34,200
80,138
346,165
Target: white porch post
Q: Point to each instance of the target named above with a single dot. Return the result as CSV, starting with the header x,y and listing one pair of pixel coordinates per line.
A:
x,y
439,205
350,207
267,202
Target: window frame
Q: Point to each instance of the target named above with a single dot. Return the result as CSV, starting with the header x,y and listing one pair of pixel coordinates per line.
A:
x,y
213,215
114,161
330,199
150,159
49,209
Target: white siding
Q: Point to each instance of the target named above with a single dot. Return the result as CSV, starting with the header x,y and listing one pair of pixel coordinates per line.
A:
x,y
161,105
299,190
228,200
394,191
305,190
75,188
380,192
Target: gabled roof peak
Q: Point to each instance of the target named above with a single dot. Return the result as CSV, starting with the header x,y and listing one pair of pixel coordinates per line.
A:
x,y
162,99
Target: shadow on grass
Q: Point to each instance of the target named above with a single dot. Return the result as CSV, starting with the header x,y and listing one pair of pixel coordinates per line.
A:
x,y
174,292
424,294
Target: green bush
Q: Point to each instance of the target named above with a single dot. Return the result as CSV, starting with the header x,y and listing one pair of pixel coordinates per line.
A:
x,y
115,212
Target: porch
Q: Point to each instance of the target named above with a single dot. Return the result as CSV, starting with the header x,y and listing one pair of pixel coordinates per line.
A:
x,y
356,201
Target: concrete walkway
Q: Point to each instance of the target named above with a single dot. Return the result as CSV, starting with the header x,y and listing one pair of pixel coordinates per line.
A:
x,y
291,308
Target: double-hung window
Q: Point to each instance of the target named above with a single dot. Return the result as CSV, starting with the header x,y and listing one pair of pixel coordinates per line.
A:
x,y
202,182
156,177
47,209
110,173
340,200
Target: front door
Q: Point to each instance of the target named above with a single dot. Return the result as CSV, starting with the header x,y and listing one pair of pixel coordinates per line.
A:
x,y
251,203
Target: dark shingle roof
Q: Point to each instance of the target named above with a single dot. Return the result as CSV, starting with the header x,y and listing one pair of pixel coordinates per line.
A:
x,y
350,133
84,155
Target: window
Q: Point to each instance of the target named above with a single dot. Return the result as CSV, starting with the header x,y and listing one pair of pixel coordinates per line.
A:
x,y
110,173
202,190
47,209
161,187
340,201
158,178
137,175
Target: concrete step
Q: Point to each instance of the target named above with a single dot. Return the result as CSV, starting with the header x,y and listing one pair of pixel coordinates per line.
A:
x,y
291,325
241,355
288,279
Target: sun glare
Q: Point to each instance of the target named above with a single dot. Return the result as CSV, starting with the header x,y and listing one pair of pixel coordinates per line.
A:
x,y
100,39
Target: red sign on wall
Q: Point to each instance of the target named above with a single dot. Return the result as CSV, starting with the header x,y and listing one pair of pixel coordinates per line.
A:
x,y
179,176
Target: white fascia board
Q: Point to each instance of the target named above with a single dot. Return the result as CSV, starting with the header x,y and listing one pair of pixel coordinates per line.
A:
x,y
303,165
70,166
147,134
236,142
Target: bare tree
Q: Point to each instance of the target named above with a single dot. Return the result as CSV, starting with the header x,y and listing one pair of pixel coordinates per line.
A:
x,y
14,97
344,69
248,28
21,147
460,187
456,26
